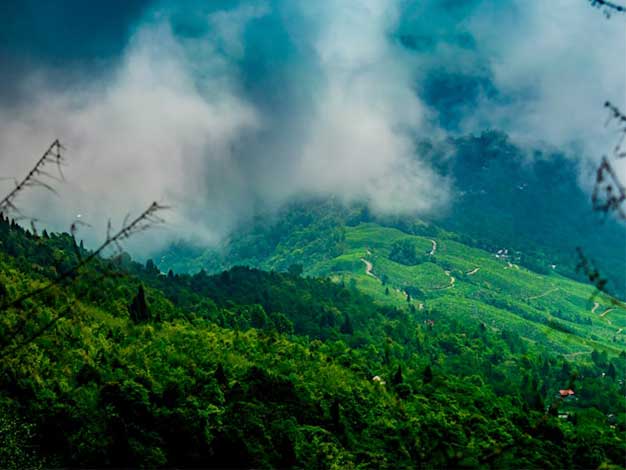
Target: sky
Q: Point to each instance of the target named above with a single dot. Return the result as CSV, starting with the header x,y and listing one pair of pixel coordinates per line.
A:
x,y
222,108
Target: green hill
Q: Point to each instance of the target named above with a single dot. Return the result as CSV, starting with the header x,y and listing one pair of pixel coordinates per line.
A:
x,y
444,277
121,365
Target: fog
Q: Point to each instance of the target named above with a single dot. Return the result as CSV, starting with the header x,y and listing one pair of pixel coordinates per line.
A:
x,y
219,111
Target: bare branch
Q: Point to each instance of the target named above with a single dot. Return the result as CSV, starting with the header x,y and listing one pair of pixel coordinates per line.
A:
x,y
616,115
147,219
608,193
34,177
608,7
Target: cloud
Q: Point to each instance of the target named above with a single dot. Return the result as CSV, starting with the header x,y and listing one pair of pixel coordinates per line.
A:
x,y
550,65
221,108
147,134
208,116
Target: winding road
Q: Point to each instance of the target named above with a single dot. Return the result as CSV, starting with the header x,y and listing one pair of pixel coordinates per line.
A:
x,y
434,248
368,268
603,314
544,294
473,271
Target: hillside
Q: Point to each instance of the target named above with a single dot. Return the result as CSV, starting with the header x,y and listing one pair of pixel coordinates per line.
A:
x,y
125,366
443,276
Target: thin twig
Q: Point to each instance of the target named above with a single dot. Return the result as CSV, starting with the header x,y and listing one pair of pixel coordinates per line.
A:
x,y
608,193
608,7
144,221
32,179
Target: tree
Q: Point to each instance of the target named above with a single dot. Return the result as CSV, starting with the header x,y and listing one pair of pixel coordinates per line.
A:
x,y
295,270
397,377
611,372
258,317
220,375
151,268
138,309
346,327
405,252
427,377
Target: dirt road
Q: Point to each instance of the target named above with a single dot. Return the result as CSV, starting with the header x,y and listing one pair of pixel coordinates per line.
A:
x,y
433,249
368,268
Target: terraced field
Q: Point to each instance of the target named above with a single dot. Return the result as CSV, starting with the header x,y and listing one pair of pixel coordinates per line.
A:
x,y
470,284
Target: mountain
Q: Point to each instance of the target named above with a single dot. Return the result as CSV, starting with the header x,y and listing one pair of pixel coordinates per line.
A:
x,y
121,365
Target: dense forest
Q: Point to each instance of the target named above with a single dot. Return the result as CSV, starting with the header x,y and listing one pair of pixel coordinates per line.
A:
x,y
395,236
124,365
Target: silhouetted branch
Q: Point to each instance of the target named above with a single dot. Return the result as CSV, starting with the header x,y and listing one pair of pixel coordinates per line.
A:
x,y
148,218
35,177
608,7
616,115
608,193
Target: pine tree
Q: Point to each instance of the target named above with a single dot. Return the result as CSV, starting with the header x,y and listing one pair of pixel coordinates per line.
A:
x,y
428,374
151,268
397,377
611,372
138,309
220,375
346,327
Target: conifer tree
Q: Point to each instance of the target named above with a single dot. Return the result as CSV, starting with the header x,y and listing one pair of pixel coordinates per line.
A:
x,y
138,309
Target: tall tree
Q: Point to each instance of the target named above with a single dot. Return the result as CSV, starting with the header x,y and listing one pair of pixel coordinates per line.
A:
x,y
138,309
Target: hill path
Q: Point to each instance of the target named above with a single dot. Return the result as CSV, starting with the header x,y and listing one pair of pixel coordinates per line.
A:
x,y
452,279
580,353
473,271
603,314
368,268
433,249
595,307
554,289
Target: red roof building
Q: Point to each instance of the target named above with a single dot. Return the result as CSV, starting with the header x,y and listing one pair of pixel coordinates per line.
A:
x,y
566,393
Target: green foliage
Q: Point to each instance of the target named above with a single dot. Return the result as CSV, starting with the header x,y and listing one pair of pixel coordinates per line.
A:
x,y
248,368
405,252
138,308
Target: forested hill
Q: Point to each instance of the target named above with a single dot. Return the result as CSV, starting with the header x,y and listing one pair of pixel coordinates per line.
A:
x,y
122,365
502,197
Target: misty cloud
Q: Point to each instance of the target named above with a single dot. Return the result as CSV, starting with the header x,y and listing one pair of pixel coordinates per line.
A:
x,y
176,123
220,109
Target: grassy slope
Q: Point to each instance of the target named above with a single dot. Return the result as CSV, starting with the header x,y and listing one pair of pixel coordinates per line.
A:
x,y
499,294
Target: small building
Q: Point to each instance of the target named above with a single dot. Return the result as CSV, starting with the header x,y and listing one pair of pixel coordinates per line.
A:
x,y
566,393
